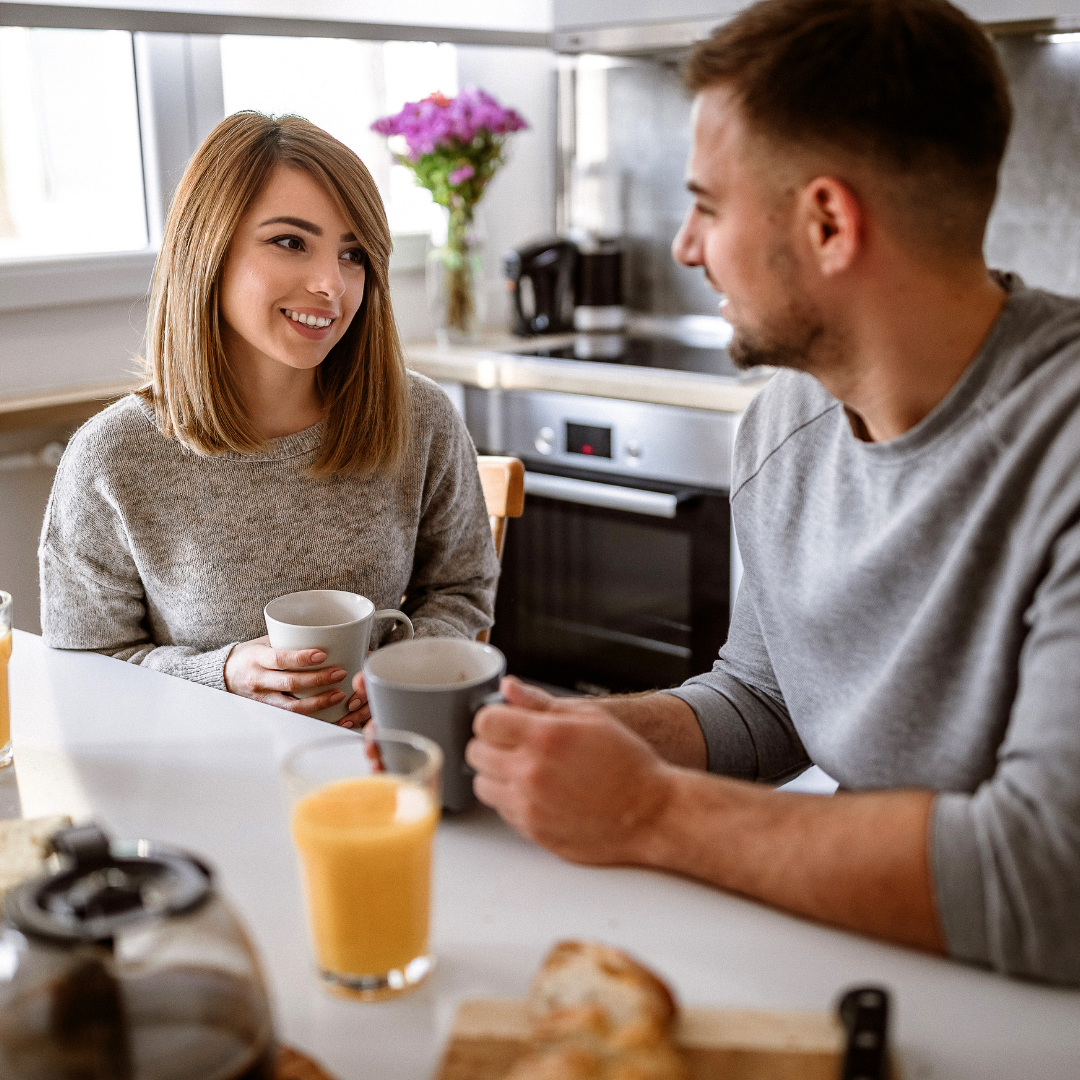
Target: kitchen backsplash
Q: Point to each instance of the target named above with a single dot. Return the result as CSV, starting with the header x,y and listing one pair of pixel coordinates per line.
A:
x,y
1034,230
1035,226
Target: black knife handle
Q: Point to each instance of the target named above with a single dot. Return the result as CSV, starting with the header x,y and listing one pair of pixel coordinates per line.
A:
x,y
864,1012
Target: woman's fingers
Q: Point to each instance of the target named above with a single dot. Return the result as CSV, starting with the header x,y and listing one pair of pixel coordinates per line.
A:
x,y
294,682
303,706
290,659
359,709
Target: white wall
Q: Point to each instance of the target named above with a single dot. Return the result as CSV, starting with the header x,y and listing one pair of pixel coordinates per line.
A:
x,y
520,203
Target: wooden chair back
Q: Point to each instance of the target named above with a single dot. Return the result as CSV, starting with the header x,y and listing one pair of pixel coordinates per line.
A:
x,y
503,480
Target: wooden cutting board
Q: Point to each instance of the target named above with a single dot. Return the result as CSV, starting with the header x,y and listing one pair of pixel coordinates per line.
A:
x,y
488,1036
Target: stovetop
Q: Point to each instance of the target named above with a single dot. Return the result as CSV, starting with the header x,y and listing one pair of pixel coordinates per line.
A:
x,y
636,350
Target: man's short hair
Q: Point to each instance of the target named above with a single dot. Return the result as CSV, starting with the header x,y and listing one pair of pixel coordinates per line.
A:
x,y
913,88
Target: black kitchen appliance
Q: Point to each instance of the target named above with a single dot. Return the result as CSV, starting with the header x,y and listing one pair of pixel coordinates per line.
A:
x,y
618,577
599,286
542,278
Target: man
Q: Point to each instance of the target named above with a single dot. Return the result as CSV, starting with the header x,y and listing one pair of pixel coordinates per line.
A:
x,y
907,501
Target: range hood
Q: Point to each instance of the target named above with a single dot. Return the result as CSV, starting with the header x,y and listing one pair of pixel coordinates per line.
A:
x,y
671,38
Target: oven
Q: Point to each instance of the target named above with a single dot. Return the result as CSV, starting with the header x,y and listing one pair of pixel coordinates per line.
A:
x,y
618,575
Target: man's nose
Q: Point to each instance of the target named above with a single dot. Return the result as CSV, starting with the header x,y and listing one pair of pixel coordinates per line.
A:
x,y
686,247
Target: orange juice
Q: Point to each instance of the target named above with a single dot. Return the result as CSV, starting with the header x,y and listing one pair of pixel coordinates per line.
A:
x,y
365,845
5,716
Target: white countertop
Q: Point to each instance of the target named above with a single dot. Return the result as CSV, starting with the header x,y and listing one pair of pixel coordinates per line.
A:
x,y
151,756
491,364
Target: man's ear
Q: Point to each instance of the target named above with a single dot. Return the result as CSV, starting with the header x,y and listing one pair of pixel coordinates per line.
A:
x,y
831,220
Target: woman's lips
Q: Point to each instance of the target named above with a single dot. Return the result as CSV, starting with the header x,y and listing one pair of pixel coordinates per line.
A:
x,y
312,333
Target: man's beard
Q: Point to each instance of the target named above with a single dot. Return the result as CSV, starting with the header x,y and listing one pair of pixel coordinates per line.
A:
x,y
796,336
791,341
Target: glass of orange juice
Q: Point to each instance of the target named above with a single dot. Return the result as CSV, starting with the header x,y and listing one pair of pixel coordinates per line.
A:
x,y
5,655
364,811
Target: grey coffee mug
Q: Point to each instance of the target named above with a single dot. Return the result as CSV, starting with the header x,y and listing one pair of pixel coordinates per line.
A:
x,y
433,686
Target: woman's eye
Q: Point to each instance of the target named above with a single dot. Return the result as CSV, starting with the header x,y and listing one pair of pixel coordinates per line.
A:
x,y
292,243
355,256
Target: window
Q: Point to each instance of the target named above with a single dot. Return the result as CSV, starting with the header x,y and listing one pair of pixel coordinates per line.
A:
x,y
70,161
344,86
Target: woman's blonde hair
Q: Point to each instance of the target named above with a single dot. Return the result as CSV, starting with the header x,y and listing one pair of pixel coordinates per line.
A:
x,y
362,381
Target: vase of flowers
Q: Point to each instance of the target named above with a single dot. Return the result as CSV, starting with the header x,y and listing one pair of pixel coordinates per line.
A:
x,y
454,146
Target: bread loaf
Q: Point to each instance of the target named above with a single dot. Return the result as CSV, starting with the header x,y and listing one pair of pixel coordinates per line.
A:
x,y
597,1014
24,847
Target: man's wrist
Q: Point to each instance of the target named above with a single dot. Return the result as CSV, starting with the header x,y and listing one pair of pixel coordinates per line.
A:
x,y
661,840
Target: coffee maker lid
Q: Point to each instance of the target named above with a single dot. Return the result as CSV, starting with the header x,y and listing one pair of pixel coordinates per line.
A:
x,y
102,887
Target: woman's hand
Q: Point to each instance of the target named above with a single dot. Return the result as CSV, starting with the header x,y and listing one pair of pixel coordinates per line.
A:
x,y
256,670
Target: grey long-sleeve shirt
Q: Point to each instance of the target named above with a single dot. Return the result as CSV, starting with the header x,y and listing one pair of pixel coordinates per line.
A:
x,y
910,618
161,557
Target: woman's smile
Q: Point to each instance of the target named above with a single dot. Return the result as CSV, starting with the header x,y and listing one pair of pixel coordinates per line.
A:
x,y
311,323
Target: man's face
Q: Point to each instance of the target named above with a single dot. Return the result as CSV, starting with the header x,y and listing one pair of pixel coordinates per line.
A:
x,y
739,231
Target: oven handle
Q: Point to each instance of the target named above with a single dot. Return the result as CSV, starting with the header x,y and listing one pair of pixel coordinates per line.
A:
x,y
611,496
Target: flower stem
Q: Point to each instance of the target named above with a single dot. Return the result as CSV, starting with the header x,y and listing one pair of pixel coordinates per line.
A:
x,y
460,301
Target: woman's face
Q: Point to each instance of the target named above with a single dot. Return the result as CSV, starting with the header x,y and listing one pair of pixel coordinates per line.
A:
x,y
293,276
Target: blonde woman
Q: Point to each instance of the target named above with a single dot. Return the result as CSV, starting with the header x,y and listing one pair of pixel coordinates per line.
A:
x,y
279,445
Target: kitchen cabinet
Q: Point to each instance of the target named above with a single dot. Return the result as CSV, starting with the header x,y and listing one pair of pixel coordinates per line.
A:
x,y
569,15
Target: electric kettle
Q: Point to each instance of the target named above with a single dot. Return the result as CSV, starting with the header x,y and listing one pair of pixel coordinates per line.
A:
x,y
542,279
124,964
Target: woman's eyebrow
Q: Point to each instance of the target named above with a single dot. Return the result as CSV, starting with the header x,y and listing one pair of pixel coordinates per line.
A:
x,y
307,226
296,222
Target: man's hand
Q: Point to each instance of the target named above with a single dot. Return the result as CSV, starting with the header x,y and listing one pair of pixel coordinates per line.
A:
x,y
567,775
575,776
256,670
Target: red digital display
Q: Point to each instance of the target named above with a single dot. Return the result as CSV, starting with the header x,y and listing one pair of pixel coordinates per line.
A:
x,y
587,439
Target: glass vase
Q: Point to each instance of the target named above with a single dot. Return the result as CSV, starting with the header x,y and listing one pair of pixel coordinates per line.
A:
x,y
455,281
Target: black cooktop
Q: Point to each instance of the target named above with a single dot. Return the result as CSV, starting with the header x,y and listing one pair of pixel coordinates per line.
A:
x,y
640,351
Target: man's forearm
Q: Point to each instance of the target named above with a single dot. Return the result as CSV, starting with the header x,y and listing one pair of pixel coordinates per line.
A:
x,y
859,861
666,722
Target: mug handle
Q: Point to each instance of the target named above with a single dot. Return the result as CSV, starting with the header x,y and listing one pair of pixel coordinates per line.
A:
x,y
398,616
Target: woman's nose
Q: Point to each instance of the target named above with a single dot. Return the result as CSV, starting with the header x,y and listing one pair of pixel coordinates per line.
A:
x,y
326,279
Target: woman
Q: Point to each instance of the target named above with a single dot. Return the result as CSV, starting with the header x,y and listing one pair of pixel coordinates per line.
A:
x,y
280,444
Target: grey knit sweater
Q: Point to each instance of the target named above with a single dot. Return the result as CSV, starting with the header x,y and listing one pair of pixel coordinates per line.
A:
x,y
156,555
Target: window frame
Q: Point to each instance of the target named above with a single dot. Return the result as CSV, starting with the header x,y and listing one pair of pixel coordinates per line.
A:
x,y
178,86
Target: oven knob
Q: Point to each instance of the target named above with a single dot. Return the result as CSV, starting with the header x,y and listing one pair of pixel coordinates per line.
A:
x,y
633,450
545,440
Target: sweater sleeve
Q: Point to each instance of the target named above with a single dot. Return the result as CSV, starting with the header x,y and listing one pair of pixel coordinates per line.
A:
x,y
1006,858
451,590
748,732
92,595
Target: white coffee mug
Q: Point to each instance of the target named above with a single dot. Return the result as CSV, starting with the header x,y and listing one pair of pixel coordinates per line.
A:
x,y
337,622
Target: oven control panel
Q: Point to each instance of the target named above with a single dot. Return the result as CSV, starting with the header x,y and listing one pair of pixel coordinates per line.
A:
x,y
662,442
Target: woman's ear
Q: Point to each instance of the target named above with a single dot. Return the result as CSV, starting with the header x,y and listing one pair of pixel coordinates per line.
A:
x,y
831,220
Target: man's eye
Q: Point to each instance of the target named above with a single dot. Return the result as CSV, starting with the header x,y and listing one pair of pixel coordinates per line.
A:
x,y
292,243
706,210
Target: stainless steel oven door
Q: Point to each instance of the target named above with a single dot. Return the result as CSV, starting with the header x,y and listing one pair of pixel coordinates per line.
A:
x,y
613,584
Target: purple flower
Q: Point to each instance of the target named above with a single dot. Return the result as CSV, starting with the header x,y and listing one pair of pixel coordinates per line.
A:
x,y
438,121
466,172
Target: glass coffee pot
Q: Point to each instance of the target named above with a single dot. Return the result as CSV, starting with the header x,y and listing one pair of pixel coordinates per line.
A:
x,y
124,964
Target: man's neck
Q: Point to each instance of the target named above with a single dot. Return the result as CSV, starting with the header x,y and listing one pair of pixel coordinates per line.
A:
x,y
911,335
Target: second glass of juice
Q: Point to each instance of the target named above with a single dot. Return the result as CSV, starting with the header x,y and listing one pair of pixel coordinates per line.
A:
x,y
364,812
5,655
